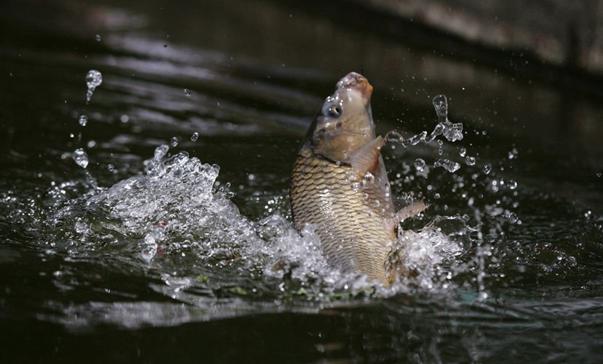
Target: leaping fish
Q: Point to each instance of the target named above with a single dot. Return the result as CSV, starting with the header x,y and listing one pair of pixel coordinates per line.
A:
x,y
339,184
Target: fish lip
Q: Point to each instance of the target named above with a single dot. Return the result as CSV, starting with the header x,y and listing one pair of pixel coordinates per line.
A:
x,y
358,82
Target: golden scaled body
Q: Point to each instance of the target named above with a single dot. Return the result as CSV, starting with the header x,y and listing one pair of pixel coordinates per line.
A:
x,y
349,220
339,185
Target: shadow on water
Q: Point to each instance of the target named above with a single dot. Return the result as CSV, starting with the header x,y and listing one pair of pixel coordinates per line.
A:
x,y
175,242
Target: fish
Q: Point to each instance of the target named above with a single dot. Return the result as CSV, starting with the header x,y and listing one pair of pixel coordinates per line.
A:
x,y
339,185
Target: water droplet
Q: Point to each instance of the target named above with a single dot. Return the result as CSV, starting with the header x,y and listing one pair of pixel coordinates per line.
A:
x,y
416,139
450,166
98,37
93,79
512,184
462,152
187,92
83,120
368,178
494,185
195,137
470,161
80,157
395,137
453,131
440,147
438,130
91,144
420,165
487,168
440,104
174,142
513,153
160,152
149,247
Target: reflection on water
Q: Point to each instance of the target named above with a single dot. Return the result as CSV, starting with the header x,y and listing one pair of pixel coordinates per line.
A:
x,y
159,209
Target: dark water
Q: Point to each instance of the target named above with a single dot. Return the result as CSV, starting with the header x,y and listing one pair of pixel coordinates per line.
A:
x,y
134,261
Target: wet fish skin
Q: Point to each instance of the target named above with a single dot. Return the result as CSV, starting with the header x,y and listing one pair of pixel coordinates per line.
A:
x,y
354,235
339,184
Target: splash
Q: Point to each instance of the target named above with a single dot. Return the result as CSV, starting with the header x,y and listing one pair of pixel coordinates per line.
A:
x,y
429,257
179,218
452,132
178,206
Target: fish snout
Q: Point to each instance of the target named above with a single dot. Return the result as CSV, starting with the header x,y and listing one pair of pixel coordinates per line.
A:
x,y
358,82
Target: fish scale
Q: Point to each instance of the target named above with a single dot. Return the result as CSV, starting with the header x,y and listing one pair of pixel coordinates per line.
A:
x,y
352,232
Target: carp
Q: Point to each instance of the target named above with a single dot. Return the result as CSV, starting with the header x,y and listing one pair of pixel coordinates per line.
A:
x,y
339,185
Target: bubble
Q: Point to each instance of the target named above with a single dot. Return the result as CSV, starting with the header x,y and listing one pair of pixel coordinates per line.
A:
x,y
124,118
93,79
195,137
98,37
187,92
83,120
174,142
80,157
470,161
462,152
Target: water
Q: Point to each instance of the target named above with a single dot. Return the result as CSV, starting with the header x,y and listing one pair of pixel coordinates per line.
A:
x,y
81,157
162,229
93,79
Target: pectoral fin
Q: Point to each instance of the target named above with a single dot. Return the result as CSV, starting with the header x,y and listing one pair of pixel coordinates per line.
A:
x,y
404,213
366,159
411,210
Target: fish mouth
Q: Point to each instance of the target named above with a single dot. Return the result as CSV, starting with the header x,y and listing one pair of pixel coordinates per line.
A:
x,y
356,81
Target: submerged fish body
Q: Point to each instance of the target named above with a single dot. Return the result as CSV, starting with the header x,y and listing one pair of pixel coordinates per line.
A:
x,y
339,184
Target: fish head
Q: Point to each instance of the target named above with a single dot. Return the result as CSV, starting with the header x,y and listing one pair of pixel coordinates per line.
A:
x,y
345,122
